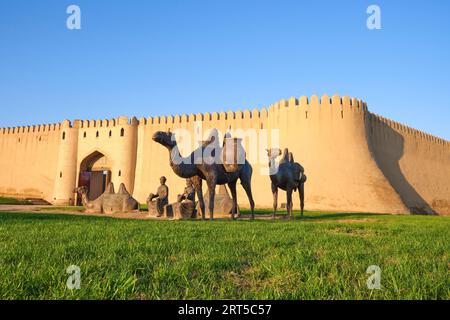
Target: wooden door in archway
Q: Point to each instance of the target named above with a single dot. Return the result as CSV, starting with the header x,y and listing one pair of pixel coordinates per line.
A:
x,y
95,175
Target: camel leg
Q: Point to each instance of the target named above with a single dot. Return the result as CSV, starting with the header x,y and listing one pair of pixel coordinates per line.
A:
x,y
232,186
246,182
275,199
301,191
197,182
248,190
212,192
289,202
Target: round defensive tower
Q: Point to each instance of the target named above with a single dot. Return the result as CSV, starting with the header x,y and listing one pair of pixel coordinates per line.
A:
x,y
65,181
125,155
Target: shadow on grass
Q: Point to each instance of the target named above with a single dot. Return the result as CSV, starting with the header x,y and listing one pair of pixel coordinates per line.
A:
x,y
65,209
261,215
316,215
36,216
339,215
13,201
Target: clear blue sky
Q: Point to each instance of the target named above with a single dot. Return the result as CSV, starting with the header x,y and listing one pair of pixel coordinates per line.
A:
x,y
147,58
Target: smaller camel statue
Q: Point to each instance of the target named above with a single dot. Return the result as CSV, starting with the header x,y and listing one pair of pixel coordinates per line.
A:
x,y
288,176
109,202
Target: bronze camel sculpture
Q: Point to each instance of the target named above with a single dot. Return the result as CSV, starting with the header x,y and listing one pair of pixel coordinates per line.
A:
x,y
109,201
286,175
204,169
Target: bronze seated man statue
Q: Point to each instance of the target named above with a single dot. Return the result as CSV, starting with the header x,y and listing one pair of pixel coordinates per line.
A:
x,y
189,192
156,202
184,208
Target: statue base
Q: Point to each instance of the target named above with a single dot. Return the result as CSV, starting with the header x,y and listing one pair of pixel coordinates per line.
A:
x,y
153,209
180,210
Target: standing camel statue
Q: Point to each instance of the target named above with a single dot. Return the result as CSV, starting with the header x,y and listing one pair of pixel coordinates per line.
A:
x,y
288,176
207,169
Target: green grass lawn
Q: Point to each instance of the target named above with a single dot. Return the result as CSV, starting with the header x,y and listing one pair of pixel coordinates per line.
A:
x,y
324,256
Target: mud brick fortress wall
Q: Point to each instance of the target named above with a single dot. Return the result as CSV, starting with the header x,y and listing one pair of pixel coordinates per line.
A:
x,y
355,160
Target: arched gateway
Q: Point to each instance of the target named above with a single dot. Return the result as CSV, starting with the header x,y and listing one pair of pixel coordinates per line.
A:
x,y
95,174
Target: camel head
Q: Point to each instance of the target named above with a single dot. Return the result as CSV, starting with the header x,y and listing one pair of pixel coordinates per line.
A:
x,y
166,139
273,153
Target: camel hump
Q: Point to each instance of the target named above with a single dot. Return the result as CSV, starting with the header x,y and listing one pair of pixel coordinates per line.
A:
x,y
291,157
208,141
285,157
123,189
213,136
205,143
212,140
225,137
110,188
233,154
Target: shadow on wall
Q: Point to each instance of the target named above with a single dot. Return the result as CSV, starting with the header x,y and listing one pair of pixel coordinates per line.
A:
x,y
387,147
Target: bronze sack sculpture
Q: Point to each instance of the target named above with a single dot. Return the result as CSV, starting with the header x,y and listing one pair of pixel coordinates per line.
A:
x,y
223,203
